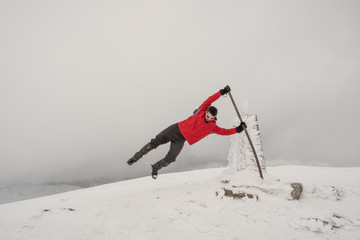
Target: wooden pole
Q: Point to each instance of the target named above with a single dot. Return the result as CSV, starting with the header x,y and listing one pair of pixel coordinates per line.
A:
x,y
247,134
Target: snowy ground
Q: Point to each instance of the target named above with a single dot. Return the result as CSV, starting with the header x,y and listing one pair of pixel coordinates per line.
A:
x,y
185,206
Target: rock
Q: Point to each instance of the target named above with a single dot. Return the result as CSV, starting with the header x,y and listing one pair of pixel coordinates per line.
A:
x,y
337,221
235,194
298,189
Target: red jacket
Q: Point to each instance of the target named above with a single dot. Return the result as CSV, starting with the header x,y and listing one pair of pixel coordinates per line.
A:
x,y
196,128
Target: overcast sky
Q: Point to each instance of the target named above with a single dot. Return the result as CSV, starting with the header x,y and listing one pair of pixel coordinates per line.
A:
x,y
85,84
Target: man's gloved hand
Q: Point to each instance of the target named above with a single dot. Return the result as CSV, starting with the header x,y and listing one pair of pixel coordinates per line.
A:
x,y
225,90
241,127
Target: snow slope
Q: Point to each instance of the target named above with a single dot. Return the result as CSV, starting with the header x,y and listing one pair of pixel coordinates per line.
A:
x,y
185,206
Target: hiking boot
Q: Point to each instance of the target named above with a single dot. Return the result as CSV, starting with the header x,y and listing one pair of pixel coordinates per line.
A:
x,y
154,172
157,166
144,150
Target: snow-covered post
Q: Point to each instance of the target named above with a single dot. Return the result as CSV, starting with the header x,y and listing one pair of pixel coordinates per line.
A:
x,y
241,156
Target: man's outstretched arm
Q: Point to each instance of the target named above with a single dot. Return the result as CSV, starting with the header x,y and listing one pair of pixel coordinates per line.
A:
x,y
214,97
223,131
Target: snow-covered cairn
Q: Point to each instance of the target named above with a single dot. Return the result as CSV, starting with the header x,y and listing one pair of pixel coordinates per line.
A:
x,y
241,156
242,179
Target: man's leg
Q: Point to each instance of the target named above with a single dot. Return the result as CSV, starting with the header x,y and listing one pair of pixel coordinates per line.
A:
x,y
163,137
144,150
175,149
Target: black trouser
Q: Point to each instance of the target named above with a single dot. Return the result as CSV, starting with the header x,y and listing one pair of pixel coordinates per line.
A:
x,y
171,134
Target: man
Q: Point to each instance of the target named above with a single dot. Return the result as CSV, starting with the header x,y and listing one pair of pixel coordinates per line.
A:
x,y
192,130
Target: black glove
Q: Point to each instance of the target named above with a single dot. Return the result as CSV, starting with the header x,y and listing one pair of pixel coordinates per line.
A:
x,y
241,127
225,90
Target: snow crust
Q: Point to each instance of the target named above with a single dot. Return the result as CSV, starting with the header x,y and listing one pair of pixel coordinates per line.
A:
x,y
185,206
